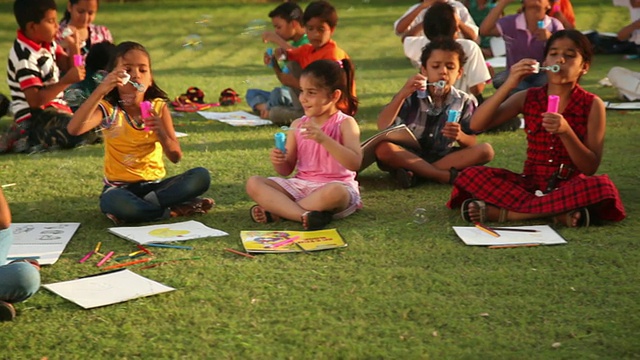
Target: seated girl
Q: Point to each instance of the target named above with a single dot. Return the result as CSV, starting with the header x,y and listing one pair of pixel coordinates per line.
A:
x,y
564,147
134,189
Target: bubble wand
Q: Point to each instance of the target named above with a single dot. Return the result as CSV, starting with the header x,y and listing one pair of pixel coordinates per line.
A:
x,y
553,68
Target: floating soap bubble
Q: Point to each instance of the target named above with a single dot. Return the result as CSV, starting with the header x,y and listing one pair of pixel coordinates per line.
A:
x,y
204,21
127,99
419,216
74,97
254,28
192,42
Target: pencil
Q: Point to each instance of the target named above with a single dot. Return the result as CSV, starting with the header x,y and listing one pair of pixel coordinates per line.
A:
x,y
170,246
86,257
486,229
104,259
509,246
144,249
126,264
514,229
239,253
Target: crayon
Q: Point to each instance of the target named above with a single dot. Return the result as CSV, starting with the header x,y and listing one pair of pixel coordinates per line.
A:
x,y
239,253
104,259
486,229
170,246
127,264
509,246
513,229
86,257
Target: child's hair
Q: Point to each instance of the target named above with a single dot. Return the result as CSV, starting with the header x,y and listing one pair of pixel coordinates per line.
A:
x,y
322,10
548,10
99,56
288,11
445,44
27,11
67,14
439,20
152,92
335,75
582,43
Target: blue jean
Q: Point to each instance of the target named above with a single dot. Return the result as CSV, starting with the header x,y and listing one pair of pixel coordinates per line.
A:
x,y
18,281
149,201
279,96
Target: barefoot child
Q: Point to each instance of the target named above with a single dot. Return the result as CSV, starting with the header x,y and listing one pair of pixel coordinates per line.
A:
x,y
324,147
426,116
564,147
134,189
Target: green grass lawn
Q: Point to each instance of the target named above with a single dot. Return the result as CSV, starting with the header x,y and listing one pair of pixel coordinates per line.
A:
x,y
398,291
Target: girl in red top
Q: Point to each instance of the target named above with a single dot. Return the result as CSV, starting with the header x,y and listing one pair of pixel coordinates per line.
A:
x,y
564,148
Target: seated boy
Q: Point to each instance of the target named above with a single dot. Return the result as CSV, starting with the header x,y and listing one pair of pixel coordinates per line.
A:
x,y
410,23
425,110
320,19
440,20
33,73
19,279
287,22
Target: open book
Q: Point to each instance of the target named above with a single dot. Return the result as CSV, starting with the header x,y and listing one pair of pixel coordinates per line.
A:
x,y
400,135
290,241
163,233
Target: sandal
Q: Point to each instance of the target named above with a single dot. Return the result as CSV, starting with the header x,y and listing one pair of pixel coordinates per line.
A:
x,y
268,216
567,218
405,178
482,209
316,220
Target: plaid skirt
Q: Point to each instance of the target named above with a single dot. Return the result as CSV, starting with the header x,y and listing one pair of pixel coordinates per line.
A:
x,y
516,192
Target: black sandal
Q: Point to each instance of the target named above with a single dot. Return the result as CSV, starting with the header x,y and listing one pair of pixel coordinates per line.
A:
x,y
316,220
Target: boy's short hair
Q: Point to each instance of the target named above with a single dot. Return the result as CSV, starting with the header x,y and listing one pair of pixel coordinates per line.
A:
x,y
288,11
440,20
322,10
27,11
445,44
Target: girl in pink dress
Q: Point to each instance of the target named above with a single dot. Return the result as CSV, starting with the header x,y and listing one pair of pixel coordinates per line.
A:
x,y
78,20
323,146
563,153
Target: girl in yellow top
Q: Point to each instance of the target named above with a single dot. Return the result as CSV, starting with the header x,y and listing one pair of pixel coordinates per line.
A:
x,y
134,189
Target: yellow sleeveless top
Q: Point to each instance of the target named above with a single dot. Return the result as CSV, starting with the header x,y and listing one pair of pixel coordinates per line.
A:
x,y
131,154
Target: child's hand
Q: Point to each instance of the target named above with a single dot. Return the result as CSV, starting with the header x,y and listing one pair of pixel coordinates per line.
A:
x,y
268,59
313,132
270,36
519,71
413,84
555,123
451,130
153,122
109,82
280,53
74,75
542,34
277,157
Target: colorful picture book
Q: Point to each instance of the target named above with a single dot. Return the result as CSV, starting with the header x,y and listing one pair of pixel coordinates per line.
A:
x,y
400,135
107,288
44,242
271,241
163,233
518,235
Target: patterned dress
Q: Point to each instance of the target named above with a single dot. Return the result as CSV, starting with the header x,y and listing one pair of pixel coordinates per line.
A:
x,y
545,155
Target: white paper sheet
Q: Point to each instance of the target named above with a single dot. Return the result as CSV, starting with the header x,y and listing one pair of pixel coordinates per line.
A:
x,y
235,118
45,241
474,236
107,289
187,230
623,106
497,62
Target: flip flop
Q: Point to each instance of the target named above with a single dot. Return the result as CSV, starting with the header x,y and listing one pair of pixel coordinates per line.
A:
x,y
482,208
267,215
567,219
316,220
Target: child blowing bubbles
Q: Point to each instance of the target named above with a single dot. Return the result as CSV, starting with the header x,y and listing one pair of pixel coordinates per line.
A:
x,y
564,147
438,160
135,190
324,146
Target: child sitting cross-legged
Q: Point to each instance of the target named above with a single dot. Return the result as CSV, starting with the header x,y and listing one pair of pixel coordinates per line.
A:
x,y
425,112
564,147
323,146
134,186
287,24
